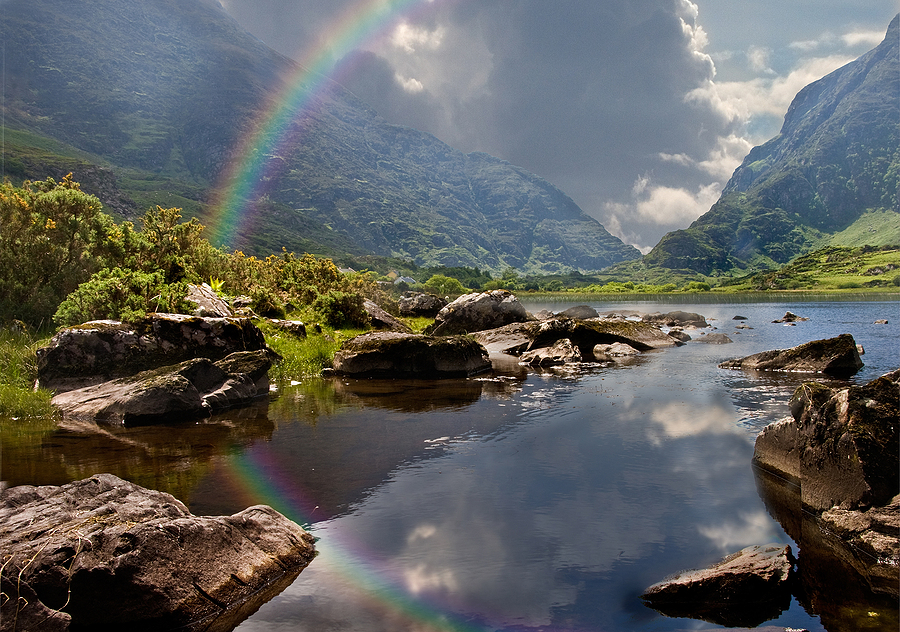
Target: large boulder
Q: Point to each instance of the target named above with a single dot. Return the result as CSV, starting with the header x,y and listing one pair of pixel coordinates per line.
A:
x,y
834,356
392,354
561,352
420,304
477,312
100,351
190,389
841,446
116,556
745,589
208,303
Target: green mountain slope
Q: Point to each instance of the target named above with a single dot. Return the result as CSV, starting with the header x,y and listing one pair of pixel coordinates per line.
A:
x,y
836,159
153,97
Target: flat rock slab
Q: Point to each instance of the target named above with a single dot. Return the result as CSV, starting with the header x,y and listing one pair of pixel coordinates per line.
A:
x,y
100,351
190,389
396,355
746,588
115,556
834,356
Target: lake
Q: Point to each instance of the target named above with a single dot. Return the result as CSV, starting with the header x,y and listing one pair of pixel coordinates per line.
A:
x,y
519,501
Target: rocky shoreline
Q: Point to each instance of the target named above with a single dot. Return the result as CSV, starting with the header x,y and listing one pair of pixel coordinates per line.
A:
x,y
829,473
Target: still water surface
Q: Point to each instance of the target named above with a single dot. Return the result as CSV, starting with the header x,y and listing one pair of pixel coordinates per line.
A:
x,y
516,501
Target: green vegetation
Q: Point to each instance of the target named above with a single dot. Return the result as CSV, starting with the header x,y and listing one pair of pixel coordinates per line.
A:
x,y
18,372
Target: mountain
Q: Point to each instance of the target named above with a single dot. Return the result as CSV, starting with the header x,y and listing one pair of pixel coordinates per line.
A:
x,y
148,101
834,164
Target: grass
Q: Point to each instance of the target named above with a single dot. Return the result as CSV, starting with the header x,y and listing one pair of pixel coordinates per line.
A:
x,y
18,371
303,357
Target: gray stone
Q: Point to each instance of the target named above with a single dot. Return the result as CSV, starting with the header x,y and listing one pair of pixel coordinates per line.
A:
x,y
113,555
676,319
790,317
835,356
745,589
680,335
420,304
580,311
614,350
383,320
208,303
393,355
477,312
561,352
99,351
714,339
296,328
194,388
842,446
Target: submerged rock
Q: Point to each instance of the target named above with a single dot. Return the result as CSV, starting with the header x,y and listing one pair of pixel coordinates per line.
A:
x,y
477,312
834,356
392,354
715,339
115,556
745,589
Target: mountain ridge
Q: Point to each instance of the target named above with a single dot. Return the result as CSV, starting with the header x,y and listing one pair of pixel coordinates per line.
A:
x,y
836,158
175,86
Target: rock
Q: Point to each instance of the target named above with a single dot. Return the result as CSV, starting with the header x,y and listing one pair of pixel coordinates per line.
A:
x,y
194,388
745,589
881,321
99,351
116,556
739,318
208,302
680,335
544,314
580,311
477,312
562,352
296,328
875,532
420,304
715,339
391,354
615,350
382,320
841,446
676,318
834,356
790,317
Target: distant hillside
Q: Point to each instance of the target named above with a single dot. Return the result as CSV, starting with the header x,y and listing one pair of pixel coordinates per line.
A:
x,y
147,100
835,163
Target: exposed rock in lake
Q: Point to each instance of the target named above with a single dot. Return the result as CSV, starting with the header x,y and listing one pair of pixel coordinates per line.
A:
x,y
616,350
112,555
680,335
191,389
676,319
790,317
420,304
580,311
99,351
383,320
834,356
477,312
391,354
745,589
561,352
841,446
715,339
208,303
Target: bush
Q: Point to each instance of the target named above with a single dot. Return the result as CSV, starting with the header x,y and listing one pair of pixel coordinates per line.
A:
x,y
445,286
342,309
265,303
125,295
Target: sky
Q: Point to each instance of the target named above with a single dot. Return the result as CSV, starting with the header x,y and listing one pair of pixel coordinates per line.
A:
x,y
639,110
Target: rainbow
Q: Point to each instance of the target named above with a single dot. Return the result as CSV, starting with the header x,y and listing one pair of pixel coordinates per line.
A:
x,y
243,179
257,476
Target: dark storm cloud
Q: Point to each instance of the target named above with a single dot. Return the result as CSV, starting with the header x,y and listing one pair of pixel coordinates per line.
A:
x,y
615,101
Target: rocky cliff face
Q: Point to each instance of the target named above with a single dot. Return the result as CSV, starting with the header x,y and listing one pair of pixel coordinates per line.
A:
x,y
837,157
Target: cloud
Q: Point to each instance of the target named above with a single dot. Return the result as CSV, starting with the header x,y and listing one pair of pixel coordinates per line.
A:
x,y
410,38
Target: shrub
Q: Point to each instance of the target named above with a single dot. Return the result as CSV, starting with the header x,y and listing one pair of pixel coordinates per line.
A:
x,y
342,309
445,286
266,303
